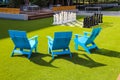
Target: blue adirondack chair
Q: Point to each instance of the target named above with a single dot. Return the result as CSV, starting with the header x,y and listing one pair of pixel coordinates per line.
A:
x,y
23,45
60,44
87,40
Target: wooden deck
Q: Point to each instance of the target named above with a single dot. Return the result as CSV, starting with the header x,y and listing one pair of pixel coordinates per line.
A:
x,y
38,14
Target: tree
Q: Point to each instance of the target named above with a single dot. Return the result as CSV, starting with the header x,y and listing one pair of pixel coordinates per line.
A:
x,y
15,3
68,2
95,1
41,3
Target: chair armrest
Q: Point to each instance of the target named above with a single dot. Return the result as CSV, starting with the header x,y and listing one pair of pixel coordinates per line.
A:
x,y
86,33
50,38
78,35
34,37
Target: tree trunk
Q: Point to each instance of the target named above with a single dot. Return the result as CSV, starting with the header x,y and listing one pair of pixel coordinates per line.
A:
x,y
83,1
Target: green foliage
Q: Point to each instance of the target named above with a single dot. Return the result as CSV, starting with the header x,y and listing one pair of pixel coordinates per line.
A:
x,y
95,1
41,3
18,3
15,3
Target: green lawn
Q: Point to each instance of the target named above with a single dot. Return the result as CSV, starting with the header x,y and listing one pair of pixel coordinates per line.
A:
x,y
103,64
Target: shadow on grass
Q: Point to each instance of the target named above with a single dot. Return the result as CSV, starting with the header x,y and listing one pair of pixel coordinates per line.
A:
x,y
104,52
108,53
80,61
37,59
27,26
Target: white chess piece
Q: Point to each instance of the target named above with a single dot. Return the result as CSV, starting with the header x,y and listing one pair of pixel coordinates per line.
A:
x,y
64,17
69,17
75,16
60,18
57,18
54,18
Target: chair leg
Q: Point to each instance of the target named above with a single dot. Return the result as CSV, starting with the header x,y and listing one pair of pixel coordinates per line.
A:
x,y
97,48
21,49
70,53
64,49
76,46
52,56
13,52
49,50
86,49
95,45
35,49
29,55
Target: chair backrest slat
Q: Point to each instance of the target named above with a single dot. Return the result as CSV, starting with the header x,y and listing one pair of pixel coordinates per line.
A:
x,y
19,39
94,34
61,40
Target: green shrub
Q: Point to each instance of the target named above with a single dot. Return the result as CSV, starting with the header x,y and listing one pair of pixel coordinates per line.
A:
x,y
41,3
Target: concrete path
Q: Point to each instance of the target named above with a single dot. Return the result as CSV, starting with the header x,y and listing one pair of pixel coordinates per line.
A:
x,y
106,13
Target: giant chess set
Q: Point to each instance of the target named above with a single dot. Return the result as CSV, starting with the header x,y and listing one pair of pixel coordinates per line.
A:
x,y
62,17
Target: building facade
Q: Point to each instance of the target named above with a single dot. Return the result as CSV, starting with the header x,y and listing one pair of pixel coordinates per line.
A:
x,y
4,1
61,2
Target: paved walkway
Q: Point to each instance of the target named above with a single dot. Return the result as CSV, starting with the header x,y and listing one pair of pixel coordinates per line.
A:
x,y
107,13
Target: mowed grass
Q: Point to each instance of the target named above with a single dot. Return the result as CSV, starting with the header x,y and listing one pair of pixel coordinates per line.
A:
x,y
103,64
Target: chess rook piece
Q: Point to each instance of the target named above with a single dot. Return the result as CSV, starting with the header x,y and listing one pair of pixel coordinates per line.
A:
x,y
84,23
101,18
96,22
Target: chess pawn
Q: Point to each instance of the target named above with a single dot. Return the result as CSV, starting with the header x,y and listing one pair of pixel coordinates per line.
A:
x,y
60,18
92,21
69,17
88,22
96,23
65,17
84,22
73,17
54,19
57,18
98,18
101,18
